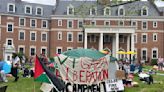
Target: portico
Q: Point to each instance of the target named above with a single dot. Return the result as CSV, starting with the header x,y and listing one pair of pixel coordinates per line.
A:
x,y
115,32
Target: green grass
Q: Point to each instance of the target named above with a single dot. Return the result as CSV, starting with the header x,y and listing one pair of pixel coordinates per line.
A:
x,y
28,85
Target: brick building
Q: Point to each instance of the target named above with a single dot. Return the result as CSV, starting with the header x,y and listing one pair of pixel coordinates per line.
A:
x,y
35,28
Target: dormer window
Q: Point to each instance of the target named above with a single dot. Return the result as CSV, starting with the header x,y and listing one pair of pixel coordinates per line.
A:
x,y
39,11
11,8
107,11
93,11
28,9
70,10
144,11
121,11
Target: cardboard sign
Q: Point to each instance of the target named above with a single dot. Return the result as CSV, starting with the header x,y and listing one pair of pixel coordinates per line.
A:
x,y
114,85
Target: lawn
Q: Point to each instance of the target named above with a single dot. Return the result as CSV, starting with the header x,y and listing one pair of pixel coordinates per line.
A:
x,y
28,85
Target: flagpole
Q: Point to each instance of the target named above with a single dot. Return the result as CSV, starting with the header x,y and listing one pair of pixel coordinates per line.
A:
x,y
54,86
34,86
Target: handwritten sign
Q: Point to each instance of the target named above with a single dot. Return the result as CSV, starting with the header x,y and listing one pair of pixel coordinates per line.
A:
x,y
114,85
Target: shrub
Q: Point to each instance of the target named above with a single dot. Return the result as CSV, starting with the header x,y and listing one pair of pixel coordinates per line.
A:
x,y
153,61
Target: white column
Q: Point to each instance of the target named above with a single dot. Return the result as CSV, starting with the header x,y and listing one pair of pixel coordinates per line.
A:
x,y
117,44
85,40
101,42
113,46
128,44
132,43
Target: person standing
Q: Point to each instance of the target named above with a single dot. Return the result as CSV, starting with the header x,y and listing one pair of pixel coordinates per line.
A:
x,y
14,69
160,63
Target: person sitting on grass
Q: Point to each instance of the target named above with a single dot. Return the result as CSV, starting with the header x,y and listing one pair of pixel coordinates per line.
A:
x,y
26,72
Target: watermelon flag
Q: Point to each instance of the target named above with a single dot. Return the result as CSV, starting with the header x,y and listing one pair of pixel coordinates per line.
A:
x,y
43,74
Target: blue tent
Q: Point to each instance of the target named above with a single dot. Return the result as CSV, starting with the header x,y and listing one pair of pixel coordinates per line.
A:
x,y
5,66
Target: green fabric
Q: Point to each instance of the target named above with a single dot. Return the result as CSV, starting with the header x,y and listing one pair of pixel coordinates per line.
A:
x,y
77,53
42,78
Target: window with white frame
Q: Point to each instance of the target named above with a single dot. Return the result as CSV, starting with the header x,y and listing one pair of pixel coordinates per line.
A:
x,y
144,53
106,23
21,21
144,25
33,23
39,11
80,23
106,38
135,38
44,50
59,22
21,35
80,37
70,10
11,7
44,24
155,24
155,37
69,37
69,48
9,27
21,49
70,24
59,50
9,41
133,23
59,35
28,9
121,23
32,50
121,11
33,36
44,37
144,38
93,23
144,11
93,11
107,11
154,53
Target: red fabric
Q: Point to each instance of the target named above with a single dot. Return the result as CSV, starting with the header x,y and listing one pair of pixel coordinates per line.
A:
x,y
38,68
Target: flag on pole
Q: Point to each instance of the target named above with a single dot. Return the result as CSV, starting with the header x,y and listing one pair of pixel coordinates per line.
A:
x,y
43,74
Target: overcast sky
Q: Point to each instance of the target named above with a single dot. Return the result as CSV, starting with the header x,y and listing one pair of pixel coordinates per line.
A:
x,y
52,2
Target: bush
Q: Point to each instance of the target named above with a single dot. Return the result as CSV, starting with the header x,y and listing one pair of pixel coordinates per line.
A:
x,y
153,61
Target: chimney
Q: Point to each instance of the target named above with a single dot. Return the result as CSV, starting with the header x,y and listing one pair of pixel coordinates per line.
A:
x,y
104,2
18,1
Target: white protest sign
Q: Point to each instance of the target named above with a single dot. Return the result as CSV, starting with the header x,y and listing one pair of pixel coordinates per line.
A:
x,y
114,85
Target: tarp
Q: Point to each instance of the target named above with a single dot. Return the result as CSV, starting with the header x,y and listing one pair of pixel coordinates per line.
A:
x,y
4,65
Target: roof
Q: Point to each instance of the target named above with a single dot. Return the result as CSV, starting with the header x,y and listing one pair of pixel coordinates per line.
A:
x,y
131,8
20,6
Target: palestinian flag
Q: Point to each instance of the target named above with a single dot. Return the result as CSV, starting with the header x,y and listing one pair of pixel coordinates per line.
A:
x,y
43,74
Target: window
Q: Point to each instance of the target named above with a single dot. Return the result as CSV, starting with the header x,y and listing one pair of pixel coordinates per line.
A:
x,y
144,11
155,24
11,8
144,54
59,35
44,50
59,50
21,35
39,11
21,21
121,11
106,38
80,37
133,23
9,27
59,22
69,37
92,38
70,24
93,11
33,36
28,9
93,23
32,50
70,10
106,23
44,23
144,25
80,24
135,38
69,48
154,53
107,11
9,41
144,38
121,23
121,38
21,49
33,23
154,37
44,37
